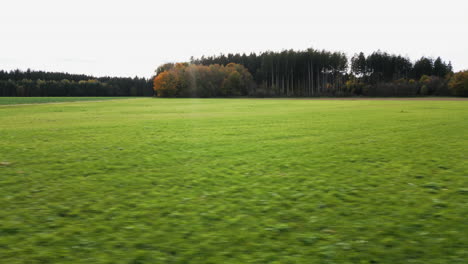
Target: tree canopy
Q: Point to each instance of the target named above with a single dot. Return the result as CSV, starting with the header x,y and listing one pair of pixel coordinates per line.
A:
x,y
40,83
290,73
191,80
459,83
323,73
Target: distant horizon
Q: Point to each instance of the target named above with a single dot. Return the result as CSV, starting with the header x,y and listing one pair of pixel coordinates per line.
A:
x,y
128,39
153,71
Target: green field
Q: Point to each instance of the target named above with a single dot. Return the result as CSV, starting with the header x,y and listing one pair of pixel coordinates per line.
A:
x,y
234,181
41,100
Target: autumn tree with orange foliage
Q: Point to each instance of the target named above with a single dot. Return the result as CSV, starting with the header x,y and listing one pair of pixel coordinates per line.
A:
x,y
165,84
190,80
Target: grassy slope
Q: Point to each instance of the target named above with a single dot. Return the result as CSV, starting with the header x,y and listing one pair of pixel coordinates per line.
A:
x,y
234,181
39,100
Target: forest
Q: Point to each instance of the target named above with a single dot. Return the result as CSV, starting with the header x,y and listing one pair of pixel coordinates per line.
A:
x,y
192,80
322,73
289,73
40,83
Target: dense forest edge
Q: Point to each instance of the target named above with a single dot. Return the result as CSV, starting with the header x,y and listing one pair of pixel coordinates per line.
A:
x,y
40,83
289,73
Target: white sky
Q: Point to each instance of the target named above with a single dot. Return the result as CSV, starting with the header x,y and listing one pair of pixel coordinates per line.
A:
x,y
128,38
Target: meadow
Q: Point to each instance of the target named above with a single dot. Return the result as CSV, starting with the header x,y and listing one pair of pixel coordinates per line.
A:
x,y
234,181
40,100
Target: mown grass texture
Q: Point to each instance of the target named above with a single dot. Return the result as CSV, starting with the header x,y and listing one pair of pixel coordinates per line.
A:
x,y
234,181
41,100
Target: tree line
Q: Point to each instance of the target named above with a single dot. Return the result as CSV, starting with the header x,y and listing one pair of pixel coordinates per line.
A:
x,y
383,74
290,73
41,83
293,73
322,73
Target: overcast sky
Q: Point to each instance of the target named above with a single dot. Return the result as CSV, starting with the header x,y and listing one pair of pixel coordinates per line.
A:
x,y
128,38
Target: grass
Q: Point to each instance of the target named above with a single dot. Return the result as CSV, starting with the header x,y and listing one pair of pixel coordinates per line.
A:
x,y
41,100
234,181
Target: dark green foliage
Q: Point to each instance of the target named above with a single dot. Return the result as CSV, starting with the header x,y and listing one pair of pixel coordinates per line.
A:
x,y
441,69
459,83
384,67
355,87
39,83
287,73
359,65
322,73
402,88
291,73
423,66
433,85
393,75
